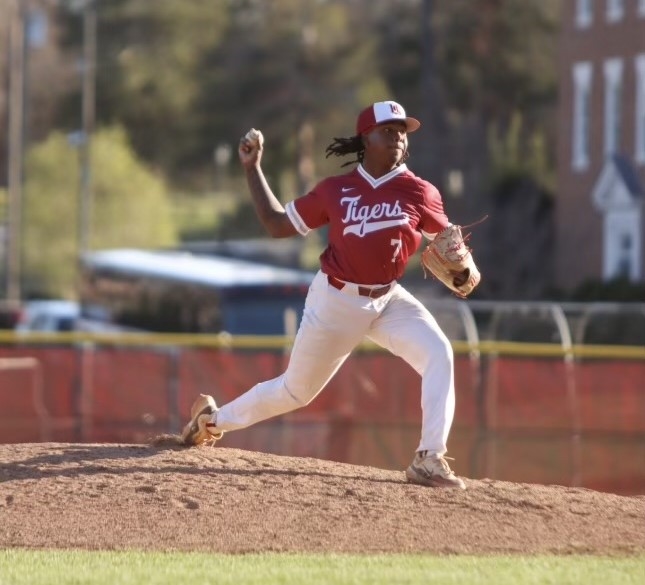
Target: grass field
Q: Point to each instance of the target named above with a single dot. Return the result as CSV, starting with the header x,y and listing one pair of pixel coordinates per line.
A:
x,y
18,567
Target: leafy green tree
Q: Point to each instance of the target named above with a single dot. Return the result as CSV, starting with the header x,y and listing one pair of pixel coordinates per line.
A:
x,y
185,78
130,208
148,71
299,71
499,58
517,153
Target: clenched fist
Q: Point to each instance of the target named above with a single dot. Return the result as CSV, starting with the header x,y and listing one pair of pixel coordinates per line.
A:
x,y
251,146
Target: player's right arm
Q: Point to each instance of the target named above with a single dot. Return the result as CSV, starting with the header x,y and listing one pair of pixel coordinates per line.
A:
x,y
270,211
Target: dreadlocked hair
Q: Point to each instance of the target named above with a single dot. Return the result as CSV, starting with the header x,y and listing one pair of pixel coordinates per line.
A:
x,y
344,146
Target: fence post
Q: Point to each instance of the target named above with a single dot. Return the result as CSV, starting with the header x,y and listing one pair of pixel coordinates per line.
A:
x,y
174,418
86,389
571,390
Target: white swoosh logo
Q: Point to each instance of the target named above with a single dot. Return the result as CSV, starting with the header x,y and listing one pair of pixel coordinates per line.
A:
x,y
361,229
345,189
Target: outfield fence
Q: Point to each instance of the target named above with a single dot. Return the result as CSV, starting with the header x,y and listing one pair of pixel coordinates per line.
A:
x,y
537,400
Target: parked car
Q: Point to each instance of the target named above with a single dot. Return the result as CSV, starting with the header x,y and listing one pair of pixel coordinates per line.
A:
x,y
49,315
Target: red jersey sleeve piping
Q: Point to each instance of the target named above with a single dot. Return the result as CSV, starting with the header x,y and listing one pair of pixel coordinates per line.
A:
x,y
296,219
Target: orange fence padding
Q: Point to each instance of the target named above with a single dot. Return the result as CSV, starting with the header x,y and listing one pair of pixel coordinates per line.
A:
x,y
536,419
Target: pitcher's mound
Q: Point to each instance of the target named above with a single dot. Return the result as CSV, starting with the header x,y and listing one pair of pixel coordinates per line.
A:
x,y
164,497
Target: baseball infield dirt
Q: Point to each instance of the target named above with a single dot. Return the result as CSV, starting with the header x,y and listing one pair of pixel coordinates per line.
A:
x,y
115,497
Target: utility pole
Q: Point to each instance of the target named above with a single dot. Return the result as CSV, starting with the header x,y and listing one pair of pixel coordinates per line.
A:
x,y
433,129
88,117
16,150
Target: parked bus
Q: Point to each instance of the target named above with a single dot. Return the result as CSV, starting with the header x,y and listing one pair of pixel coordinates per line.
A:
x,y
180,292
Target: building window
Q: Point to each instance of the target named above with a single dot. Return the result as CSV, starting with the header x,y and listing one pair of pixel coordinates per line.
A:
x,y
615,10
584,13
639,146
613,101
582,75
641,8
622,245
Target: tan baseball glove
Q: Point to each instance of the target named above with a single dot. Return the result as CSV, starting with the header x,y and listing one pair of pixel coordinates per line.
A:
x,y
450,261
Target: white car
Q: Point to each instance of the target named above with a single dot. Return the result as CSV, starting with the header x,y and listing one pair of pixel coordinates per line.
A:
x,y
49,315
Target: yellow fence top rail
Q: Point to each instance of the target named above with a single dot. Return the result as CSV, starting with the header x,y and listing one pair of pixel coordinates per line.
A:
x,y
226,341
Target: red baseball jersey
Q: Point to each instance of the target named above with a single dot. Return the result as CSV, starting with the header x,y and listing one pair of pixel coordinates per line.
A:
x,y
375,225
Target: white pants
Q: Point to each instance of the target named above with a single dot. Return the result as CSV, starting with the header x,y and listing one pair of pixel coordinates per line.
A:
x,y
334,322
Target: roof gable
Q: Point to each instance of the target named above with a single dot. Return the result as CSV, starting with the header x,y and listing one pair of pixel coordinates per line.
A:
x,y
618,185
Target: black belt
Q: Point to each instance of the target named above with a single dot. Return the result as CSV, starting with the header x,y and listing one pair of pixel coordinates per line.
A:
x,y
364,291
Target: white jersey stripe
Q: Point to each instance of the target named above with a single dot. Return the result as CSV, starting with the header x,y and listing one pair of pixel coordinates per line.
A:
x,y
384,179
296,220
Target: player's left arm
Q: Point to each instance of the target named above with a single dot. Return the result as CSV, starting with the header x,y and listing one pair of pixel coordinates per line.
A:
x,y
435,222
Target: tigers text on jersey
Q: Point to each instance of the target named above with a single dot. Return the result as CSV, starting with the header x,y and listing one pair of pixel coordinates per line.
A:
x,y
375,225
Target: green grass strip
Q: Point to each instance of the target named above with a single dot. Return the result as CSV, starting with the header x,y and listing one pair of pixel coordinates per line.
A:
x,y
18,567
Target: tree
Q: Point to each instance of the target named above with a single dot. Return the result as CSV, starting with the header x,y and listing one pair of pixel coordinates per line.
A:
x,y
185,78
302,72
499,58
131,208
148,70
519,233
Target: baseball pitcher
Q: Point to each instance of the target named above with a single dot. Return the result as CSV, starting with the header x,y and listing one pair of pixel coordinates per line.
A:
x,y
377,215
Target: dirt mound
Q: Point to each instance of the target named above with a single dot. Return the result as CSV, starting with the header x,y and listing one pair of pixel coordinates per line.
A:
x,y
227,500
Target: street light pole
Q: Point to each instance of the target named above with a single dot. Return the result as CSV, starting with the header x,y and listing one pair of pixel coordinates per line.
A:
x,y
88,116
16,150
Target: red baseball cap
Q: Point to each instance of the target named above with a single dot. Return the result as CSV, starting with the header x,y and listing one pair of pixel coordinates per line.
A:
x,y
381,112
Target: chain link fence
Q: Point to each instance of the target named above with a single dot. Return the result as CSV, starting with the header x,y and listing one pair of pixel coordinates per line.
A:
x,y
546,393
